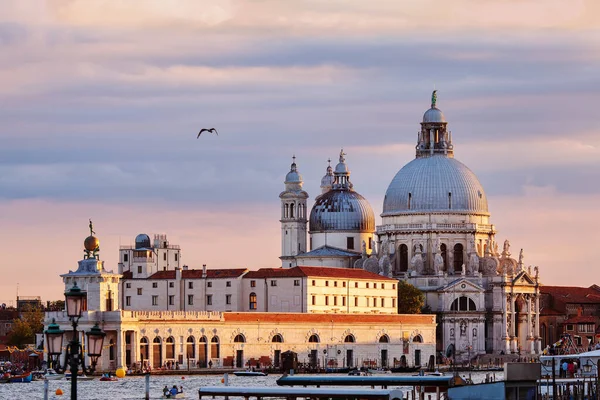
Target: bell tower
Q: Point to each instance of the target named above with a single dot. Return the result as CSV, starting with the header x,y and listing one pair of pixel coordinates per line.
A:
x,y
293,218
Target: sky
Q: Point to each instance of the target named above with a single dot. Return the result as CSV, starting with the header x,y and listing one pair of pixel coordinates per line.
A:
x,y
101,101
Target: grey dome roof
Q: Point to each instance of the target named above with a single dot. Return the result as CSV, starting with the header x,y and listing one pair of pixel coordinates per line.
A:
x,y
142,241
434,114
293,176
429,180
341,210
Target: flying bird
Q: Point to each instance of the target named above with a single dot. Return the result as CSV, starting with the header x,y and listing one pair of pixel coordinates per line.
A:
x,y
212,130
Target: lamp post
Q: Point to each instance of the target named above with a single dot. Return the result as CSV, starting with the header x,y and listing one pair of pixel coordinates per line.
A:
x,y
74,356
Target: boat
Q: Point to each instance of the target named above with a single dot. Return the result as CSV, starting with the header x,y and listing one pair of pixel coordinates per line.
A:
x,y
108,378
405,369
177,396
359,372
379,371
79,377
52,375
249,373
21,378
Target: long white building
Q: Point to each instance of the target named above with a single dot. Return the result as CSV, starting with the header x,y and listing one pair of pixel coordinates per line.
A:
x,y
155,312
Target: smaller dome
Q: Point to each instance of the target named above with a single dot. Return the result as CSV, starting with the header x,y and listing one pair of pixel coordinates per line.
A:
x,y
142,241
434,115
293,176
91,243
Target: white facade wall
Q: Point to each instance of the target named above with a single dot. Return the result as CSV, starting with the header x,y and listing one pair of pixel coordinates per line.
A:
x,y
334,295
340,240
257,331
274,294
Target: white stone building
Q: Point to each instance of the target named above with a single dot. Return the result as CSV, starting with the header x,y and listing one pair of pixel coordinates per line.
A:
x,y
156,314
436,234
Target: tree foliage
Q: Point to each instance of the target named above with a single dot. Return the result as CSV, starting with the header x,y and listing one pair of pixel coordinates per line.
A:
x,y
24,328
410,299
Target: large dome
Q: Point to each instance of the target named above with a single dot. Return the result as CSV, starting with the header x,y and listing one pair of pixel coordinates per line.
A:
x,y
437,183
341,210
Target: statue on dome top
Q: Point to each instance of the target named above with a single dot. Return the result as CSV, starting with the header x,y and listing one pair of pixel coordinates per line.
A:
x,y
91,228
434,99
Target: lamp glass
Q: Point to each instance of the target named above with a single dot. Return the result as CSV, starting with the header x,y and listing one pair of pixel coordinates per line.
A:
x,y
54,338
95,341
74,299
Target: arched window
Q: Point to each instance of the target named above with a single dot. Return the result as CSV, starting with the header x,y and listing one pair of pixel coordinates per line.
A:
x,y
292,210
277,339
403,250
458,257
409,200
313,339
418,339
349,339
286,211
203,352
384,339
111,350
239,339
170,347
144,348
191,348
463,303
253,301
444,254
157,352
214,347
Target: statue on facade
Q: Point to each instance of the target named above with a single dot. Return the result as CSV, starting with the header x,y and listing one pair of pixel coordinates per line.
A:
x,y
416,262
463,270
473,263
463,328
364,247
506,249
520,264
537,272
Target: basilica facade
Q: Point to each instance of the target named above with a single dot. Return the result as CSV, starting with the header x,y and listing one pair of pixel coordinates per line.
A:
x,y
436,234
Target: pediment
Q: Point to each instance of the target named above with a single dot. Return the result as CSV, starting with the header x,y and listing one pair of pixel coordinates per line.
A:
x,y
523,278
461,285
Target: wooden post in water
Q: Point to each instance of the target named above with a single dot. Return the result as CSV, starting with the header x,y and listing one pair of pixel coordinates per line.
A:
x,y
554,395
147,377
45,389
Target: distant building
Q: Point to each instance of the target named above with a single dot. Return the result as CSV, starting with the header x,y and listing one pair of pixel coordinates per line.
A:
x,y
570,310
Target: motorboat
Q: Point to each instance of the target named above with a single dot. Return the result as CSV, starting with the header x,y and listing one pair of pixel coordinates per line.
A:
x,y
52,375
79,377
21,378
249,373
177,396
359,372
105,378
379,371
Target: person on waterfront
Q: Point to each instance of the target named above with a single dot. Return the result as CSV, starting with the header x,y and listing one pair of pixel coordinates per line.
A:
x,y
166,392
210,364
174,391
564,368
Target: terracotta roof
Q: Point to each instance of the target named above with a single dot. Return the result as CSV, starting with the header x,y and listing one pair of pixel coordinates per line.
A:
x,y
336,318
323,272
550,311
197,273
275,273
580,319
572,294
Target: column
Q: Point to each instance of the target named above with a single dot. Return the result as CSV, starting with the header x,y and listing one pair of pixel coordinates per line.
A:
x,y
120,348
135,350
536,330
530,337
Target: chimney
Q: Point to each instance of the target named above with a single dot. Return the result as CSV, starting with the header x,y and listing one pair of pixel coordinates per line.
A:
x,y
185,267
579,311
204,270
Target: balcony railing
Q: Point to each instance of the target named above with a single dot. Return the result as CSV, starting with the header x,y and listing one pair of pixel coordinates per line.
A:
x,y
487,228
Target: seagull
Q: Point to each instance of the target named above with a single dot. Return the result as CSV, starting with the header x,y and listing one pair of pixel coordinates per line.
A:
x,y
212,130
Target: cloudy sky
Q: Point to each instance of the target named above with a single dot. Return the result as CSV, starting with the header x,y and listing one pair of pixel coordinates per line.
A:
x,y
100,103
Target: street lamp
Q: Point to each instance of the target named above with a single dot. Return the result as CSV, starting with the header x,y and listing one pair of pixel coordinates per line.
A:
x,y
74,354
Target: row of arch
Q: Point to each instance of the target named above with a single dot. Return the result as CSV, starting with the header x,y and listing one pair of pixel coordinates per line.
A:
x,y
457,259
277,338
293,210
